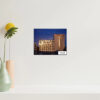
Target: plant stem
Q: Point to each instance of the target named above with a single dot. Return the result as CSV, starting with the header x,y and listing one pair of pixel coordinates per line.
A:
x,y
0,59
9,48
4,50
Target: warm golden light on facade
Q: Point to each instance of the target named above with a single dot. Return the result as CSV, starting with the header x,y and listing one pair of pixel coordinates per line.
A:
x,y
46,45
58,44
59,41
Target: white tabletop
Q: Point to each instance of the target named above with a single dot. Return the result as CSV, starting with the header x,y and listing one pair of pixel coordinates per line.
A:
x,y
47,89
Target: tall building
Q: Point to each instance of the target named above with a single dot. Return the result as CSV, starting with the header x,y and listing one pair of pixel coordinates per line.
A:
x,y
47,45
59,42
35,47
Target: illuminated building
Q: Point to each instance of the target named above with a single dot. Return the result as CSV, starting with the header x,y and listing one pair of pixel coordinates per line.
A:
x,y
47,45
35,47
59,42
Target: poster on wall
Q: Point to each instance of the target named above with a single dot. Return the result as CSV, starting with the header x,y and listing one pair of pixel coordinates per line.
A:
x,y
50,41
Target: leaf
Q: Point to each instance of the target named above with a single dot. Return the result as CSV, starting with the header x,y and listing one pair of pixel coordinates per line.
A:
x,y
11,32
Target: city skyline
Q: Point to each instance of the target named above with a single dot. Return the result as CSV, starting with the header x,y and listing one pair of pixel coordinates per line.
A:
x,y
48,34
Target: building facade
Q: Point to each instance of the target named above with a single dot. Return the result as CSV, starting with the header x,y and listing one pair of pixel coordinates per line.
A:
x,y
46,45
35,47
59,42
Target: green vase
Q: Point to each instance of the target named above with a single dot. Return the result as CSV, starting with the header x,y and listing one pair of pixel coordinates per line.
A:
x,y
5,81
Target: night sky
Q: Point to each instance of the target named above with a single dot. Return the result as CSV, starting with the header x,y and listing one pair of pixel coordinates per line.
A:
x,y
47,34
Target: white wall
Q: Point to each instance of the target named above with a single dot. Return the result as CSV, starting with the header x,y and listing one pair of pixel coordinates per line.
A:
x,y
82,19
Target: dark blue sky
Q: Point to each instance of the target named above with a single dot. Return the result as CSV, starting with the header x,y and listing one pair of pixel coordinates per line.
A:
x,y
47,34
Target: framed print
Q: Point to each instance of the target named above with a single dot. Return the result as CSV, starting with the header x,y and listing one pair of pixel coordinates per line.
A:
x,y
50,41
